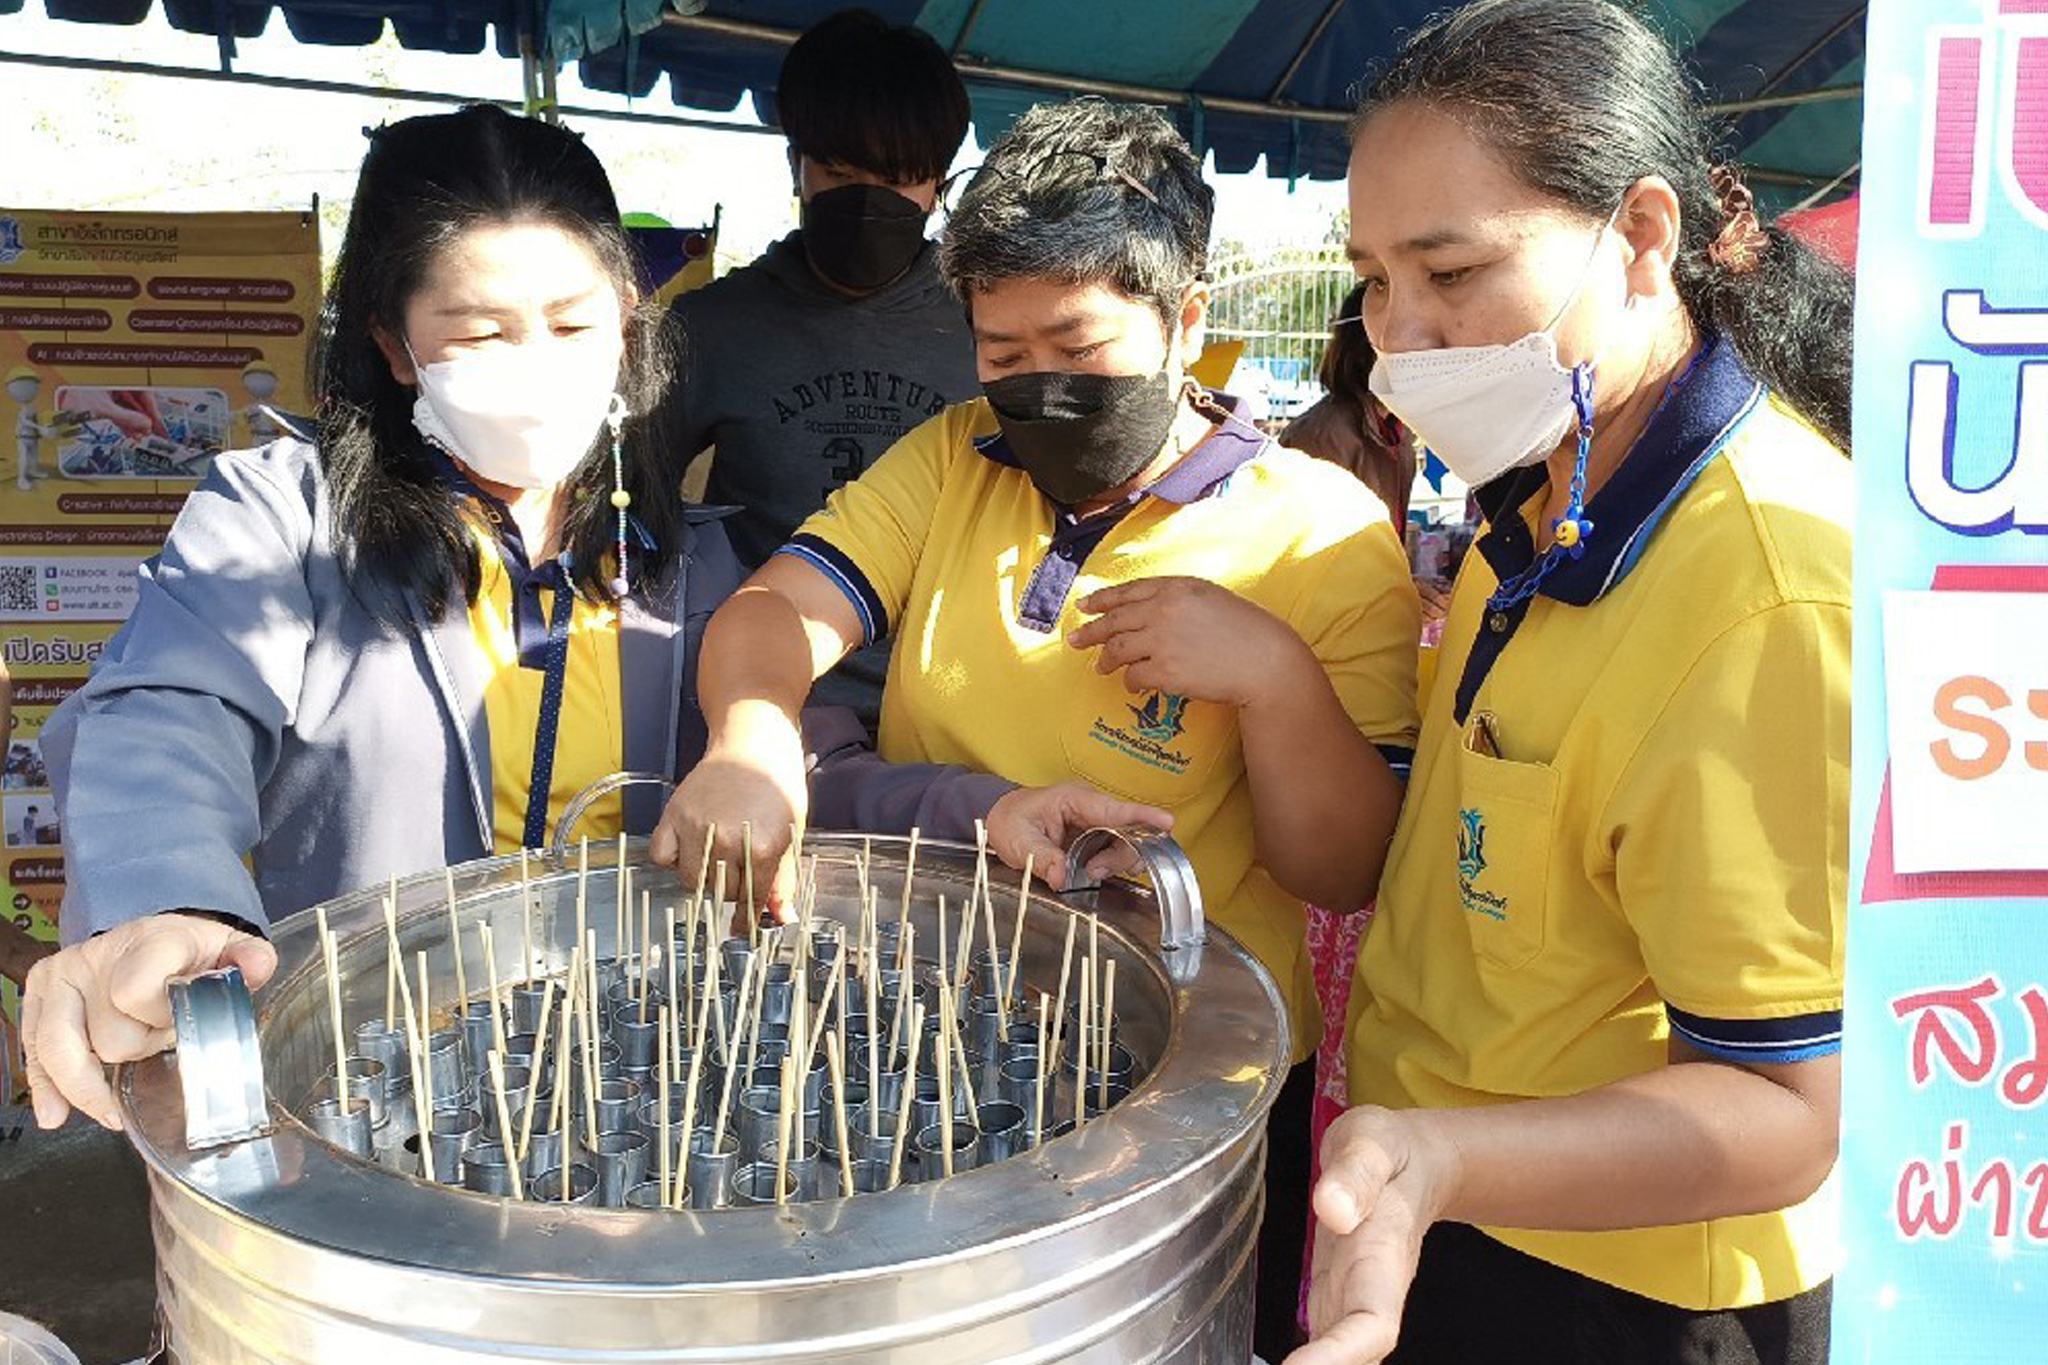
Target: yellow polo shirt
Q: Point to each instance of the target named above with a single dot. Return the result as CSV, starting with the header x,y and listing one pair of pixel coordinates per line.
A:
x,y
1635,824
589,737
950,547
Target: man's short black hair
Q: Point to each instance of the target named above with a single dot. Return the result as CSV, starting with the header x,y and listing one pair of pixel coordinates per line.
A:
x,y
858,91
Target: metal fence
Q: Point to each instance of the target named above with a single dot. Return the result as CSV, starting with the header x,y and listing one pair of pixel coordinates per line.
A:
x,y
1279,301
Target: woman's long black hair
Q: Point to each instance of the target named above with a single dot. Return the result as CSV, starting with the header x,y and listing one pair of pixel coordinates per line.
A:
x,y
400,528
1582,99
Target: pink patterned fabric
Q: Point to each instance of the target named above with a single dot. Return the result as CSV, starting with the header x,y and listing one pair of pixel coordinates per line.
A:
x,y
1333,948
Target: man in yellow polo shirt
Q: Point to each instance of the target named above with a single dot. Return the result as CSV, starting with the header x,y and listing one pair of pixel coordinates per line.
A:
x,y
1100,579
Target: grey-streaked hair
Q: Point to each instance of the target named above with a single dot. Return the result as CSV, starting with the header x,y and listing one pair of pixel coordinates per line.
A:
x,y
1084,191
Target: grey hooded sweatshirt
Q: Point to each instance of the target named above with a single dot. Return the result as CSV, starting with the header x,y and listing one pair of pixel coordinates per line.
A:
x,y
800,389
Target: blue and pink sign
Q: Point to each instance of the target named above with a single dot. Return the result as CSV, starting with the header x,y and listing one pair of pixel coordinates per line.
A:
x,y
1945,1143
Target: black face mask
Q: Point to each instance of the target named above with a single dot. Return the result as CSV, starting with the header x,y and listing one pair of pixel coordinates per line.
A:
x,y
1080,435
862,237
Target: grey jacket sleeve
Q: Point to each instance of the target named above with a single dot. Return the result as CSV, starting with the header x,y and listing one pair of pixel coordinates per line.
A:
x,y
157,762
853,788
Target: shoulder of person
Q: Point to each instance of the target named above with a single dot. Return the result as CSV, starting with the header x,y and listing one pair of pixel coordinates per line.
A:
x,y
1771,519
1329,498
284,478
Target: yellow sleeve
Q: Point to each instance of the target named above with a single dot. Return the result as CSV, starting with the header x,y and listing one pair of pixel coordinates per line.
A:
x,y
1363,621
871,533
1729,832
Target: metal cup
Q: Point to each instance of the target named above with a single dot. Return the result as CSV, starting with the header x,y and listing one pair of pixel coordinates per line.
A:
x,y
930,1149
478,1038
645,1195
869,1177
984,1026
637,1043
985,968
486,1169
616,1103
1017,1082
453,1133
1003,1130
755,1120
878,1144
387,1045
804,1165
522,1049
647,1122
622,1162
778,994
447,1084
546,1188
366,1082
711,1169
347,1129
755,1185
924,1106
526,1002
543,1152
518,1085
734,955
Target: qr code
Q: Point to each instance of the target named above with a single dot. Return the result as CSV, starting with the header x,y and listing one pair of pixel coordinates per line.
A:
x,y
17,587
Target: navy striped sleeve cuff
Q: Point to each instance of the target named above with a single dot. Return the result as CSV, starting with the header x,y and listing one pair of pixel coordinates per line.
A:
x,y
1797,1038
829,560
1401,760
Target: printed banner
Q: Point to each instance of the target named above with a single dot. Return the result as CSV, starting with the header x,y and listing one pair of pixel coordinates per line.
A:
x,y
133,348
1945,1147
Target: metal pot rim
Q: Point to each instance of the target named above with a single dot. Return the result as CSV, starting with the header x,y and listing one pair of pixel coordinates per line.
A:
x,y
1220,1072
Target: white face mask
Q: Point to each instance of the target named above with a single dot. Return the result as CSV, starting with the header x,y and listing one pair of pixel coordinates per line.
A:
x,y
524,414
1486,409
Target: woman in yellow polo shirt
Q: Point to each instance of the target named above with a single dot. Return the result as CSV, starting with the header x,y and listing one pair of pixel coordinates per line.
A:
x,y
1596,1018
1100,580
407,642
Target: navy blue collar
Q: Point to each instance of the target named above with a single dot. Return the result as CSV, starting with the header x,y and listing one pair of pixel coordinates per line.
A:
x,y
1682,438
1195,476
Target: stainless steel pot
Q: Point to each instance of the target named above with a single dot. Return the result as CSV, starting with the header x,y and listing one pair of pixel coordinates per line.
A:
x,y
1130,1239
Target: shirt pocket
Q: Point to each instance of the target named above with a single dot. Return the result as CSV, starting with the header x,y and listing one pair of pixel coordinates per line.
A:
x,y
1505,823
1153,747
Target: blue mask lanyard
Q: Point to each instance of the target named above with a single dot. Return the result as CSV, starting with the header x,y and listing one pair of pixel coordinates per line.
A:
x,y
555,661
550,724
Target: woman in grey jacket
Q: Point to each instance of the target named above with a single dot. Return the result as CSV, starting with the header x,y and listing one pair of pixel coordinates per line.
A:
x,y
407,643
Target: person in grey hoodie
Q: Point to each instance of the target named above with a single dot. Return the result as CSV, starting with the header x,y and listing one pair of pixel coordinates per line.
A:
x,y
802,367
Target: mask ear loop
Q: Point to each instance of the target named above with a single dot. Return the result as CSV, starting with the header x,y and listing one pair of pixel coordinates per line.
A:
x,y
621,498
1575,528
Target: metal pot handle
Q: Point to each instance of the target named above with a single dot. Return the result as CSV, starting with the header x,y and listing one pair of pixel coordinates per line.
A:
x,y
220,1066
580,804
1182,928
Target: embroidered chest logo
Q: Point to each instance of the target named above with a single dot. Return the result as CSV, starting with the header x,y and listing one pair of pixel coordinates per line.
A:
x,y
1471,863
1156,723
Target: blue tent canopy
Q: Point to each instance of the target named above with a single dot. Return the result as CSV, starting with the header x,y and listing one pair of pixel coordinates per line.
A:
x,y
1244,78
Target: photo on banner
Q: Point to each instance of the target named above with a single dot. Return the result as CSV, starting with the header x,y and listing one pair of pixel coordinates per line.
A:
x,y
134,348
1945,1134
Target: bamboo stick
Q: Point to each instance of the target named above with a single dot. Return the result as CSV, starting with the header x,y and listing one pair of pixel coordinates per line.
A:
x,y
1009,990
903,1136
690,1088
1108,1024
455,946
747,881
1038,1090
661,1086
783,1132
332,955
497,991
1059,1007
834,1060
512,1158
540,1057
